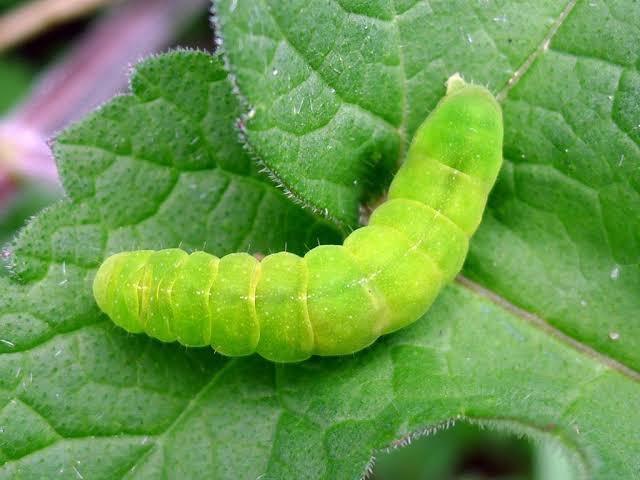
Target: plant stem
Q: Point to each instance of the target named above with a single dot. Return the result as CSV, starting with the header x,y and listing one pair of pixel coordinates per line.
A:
x,y
92,72
35,17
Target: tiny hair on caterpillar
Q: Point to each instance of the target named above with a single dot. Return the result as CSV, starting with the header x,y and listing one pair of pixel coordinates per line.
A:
x,y
336,299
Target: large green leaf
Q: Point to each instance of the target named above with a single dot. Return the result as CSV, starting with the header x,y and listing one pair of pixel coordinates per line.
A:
x,y
346,83
81,398
158,168
561,237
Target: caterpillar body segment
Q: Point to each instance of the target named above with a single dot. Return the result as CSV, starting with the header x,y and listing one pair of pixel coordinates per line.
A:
x,y
337,299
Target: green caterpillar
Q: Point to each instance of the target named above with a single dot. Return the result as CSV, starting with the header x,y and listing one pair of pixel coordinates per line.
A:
x,y
337,299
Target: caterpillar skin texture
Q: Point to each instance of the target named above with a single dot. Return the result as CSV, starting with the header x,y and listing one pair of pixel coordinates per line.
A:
x,y
337,299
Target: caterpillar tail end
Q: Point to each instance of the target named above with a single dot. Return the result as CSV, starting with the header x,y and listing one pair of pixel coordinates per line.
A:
x,y
455,83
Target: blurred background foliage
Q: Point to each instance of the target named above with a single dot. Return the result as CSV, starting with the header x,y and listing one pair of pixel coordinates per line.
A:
x,y
470,452
50,62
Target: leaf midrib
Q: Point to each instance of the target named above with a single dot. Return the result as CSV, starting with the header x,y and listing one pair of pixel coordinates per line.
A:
x,y
544,326
520,72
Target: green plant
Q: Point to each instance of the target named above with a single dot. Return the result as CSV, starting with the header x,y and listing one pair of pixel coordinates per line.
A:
x,y
539,335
